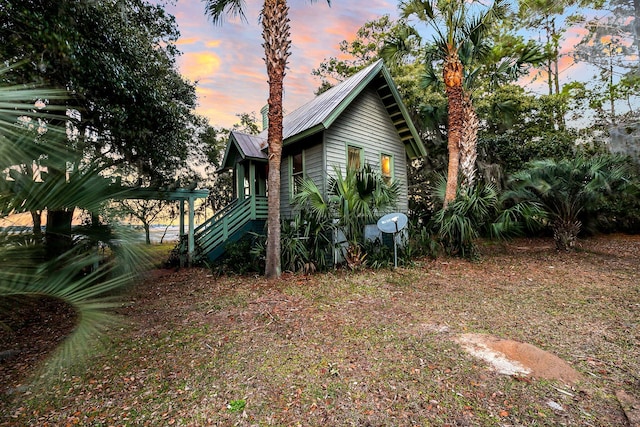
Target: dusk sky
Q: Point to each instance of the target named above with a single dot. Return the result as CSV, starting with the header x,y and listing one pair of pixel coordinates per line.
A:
x,y
227,63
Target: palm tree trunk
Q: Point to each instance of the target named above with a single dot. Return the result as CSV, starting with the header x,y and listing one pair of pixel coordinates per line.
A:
x,y
277,40
565,233
453,78
468,143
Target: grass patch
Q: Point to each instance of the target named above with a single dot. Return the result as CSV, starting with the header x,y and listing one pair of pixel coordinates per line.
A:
x,y
369,348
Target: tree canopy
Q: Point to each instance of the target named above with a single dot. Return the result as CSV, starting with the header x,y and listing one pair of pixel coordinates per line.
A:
x,y
116,58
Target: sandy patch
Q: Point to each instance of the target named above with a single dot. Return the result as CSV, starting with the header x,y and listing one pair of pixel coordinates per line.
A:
x,y
515,358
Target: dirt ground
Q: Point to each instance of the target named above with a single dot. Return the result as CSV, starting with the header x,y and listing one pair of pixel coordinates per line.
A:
x,y
372,348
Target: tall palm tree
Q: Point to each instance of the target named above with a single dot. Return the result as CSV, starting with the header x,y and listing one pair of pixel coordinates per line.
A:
x,y
277,41
458,31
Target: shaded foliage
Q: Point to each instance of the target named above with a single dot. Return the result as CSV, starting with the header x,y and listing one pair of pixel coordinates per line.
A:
x,y
241,257
353,201
80,277
117,58
521,128
568,189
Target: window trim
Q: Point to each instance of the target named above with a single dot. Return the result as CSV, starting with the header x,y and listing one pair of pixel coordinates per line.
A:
x,y
360,150
302,174
392,167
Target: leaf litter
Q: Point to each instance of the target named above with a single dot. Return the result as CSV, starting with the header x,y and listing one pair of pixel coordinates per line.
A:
x,y
373,348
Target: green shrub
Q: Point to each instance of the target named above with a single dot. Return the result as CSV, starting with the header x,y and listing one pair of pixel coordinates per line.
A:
x,y
618,211
422,242
466,218
379,255
568,190
240,258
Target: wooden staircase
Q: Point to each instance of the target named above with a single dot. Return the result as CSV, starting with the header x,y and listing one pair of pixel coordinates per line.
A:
x,y
230,225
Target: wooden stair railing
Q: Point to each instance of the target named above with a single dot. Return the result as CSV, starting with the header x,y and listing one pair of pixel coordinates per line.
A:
x,y
228,224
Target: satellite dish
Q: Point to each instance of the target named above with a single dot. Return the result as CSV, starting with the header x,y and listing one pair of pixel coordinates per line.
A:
x,y
393,222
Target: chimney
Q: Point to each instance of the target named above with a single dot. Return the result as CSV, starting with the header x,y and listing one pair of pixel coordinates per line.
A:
x,y
265,116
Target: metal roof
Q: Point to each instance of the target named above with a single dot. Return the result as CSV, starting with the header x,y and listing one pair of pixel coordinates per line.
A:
x,y
320,113
320,110
250,145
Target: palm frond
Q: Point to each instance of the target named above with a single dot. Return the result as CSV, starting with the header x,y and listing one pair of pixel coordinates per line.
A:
x,y
78,277
429,78
399,45
566,188
310,199
217,10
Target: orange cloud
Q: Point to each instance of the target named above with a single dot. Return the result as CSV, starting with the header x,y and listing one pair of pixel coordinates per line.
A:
x,y
183,41
250,73
198,65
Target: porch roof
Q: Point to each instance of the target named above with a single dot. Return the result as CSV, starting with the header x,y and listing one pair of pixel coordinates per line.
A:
x,y
251,147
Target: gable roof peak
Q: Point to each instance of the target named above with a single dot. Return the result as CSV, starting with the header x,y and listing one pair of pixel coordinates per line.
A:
x,y
320,113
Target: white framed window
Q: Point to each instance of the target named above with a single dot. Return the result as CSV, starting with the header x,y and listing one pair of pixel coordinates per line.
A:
x,y
297,172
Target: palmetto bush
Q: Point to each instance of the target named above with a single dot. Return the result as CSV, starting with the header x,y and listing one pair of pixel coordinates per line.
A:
x,y
464,220
566,189
354,200
619,210
80,278
305,245
480,211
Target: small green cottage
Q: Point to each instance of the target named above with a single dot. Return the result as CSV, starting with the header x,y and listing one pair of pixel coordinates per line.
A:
x,y
359,121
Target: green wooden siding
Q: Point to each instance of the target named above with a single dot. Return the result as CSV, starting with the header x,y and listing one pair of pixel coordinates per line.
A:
x,y
366,124
313,168
285,180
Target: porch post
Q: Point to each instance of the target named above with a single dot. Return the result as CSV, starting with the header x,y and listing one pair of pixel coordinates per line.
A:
x,y
191,240
252,179
240,181
181,228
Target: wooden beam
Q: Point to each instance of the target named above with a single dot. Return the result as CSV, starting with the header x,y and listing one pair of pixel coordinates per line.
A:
x,y
191,240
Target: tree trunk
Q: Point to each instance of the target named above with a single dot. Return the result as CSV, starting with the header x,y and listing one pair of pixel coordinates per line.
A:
x,y
556,56
147,233
565,233
36,217
58,239
547,27
636,26
453,78
276,36
469,143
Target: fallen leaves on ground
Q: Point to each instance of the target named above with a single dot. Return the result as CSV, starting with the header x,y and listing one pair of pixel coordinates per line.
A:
x,y
372,348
